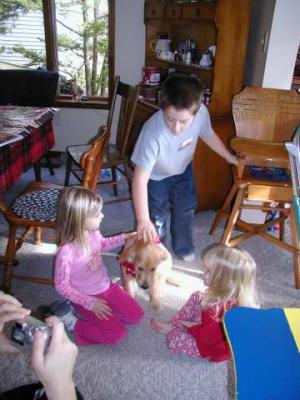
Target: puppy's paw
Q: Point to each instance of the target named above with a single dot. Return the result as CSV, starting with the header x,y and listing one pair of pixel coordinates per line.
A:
x,y
129,288
130,291
155,304
174,281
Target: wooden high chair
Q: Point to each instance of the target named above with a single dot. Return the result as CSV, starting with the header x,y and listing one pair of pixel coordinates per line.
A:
x,y
31,209
264,119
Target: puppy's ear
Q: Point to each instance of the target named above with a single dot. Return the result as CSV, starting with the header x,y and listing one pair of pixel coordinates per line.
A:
x,y
128,251
159,254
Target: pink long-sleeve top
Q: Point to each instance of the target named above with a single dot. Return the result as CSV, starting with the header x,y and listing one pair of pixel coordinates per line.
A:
x,y
79,277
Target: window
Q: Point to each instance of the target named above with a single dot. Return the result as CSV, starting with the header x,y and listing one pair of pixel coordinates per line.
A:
x,y
73,37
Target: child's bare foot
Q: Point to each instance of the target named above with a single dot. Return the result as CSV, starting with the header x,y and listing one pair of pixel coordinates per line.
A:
x,y
160,327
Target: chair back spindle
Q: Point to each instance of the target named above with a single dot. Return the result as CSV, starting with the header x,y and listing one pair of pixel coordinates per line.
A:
x,y
129,100
91,161
112,104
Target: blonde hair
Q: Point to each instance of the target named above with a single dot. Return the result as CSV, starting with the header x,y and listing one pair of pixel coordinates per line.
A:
x,y
75,205
232,277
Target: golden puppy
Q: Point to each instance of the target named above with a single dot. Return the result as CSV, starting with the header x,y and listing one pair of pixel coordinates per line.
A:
x,y
149,264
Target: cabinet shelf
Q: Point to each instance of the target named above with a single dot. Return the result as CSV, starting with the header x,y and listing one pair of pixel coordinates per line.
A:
x,y
204,74
220,23
168,63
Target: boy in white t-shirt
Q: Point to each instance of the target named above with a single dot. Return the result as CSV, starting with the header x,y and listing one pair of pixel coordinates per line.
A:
x,y
163,164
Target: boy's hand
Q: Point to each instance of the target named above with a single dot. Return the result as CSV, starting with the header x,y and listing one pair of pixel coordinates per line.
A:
x,y
233,160
102,309
146,231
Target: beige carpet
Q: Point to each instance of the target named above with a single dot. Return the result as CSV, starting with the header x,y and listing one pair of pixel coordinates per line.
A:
x,y
142,367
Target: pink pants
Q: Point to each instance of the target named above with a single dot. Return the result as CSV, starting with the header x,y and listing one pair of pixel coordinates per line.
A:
x,y
93,330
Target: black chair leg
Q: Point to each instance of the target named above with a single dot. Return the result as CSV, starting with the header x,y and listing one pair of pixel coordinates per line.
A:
x,y
68,170
37,171
114,178
37,167
49,163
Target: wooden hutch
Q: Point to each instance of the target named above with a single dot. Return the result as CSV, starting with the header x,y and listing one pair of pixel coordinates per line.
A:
x,y
223,23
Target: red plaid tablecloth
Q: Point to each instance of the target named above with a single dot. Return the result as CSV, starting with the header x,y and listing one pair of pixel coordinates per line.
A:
x,y
17,157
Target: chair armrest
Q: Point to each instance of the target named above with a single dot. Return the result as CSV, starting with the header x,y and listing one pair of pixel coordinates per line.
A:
x,y
260,152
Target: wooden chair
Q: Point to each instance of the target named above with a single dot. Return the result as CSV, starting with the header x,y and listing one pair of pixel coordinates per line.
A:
x,y
116,156
91,163
264,119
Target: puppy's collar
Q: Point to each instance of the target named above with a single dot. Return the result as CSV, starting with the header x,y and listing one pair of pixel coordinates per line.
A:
x,y
129,268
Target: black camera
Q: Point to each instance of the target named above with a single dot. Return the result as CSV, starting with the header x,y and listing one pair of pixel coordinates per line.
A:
x,y
21,333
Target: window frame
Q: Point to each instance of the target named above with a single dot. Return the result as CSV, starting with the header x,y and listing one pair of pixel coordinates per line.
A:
x,y
52,58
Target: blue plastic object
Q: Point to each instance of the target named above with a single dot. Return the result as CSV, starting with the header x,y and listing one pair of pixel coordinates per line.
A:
x,y
265,354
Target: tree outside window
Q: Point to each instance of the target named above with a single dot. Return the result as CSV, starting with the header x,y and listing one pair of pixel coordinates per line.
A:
x,y
76,41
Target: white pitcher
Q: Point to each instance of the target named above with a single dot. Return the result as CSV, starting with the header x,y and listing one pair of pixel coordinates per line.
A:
x,y
160,45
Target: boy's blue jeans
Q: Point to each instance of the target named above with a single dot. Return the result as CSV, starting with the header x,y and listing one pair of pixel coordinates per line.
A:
x,y
177,191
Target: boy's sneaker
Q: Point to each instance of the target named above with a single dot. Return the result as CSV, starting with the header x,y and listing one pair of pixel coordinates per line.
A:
x,y
65,312
190,257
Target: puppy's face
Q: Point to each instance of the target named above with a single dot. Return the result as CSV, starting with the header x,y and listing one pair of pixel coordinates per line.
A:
x,y
146,257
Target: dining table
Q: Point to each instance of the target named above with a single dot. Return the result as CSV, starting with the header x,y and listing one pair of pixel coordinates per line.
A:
x,y
26,135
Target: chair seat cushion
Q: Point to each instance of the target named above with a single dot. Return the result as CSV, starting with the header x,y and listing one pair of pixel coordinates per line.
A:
x,y
38,205
111,155
76,151
275,174
267,176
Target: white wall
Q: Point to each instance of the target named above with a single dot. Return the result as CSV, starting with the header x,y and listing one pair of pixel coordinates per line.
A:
x,y
283,45
262,12
130,40
76,126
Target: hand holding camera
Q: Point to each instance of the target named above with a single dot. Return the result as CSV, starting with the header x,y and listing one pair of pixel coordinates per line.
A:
x,y
54,368
22,332
10,309
53,355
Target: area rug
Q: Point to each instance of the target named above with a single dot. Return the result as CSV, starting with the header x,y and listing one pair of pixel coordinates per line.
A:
x,y
142,367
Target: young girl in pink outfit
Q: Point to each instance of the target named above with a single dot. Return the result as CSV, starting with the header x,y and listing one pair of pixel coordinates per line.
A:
x,y
81,276
197,328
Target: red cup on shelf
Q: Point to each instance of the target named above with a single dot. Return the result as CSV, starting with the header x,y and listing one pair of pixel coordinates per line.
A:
x,y
151,76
